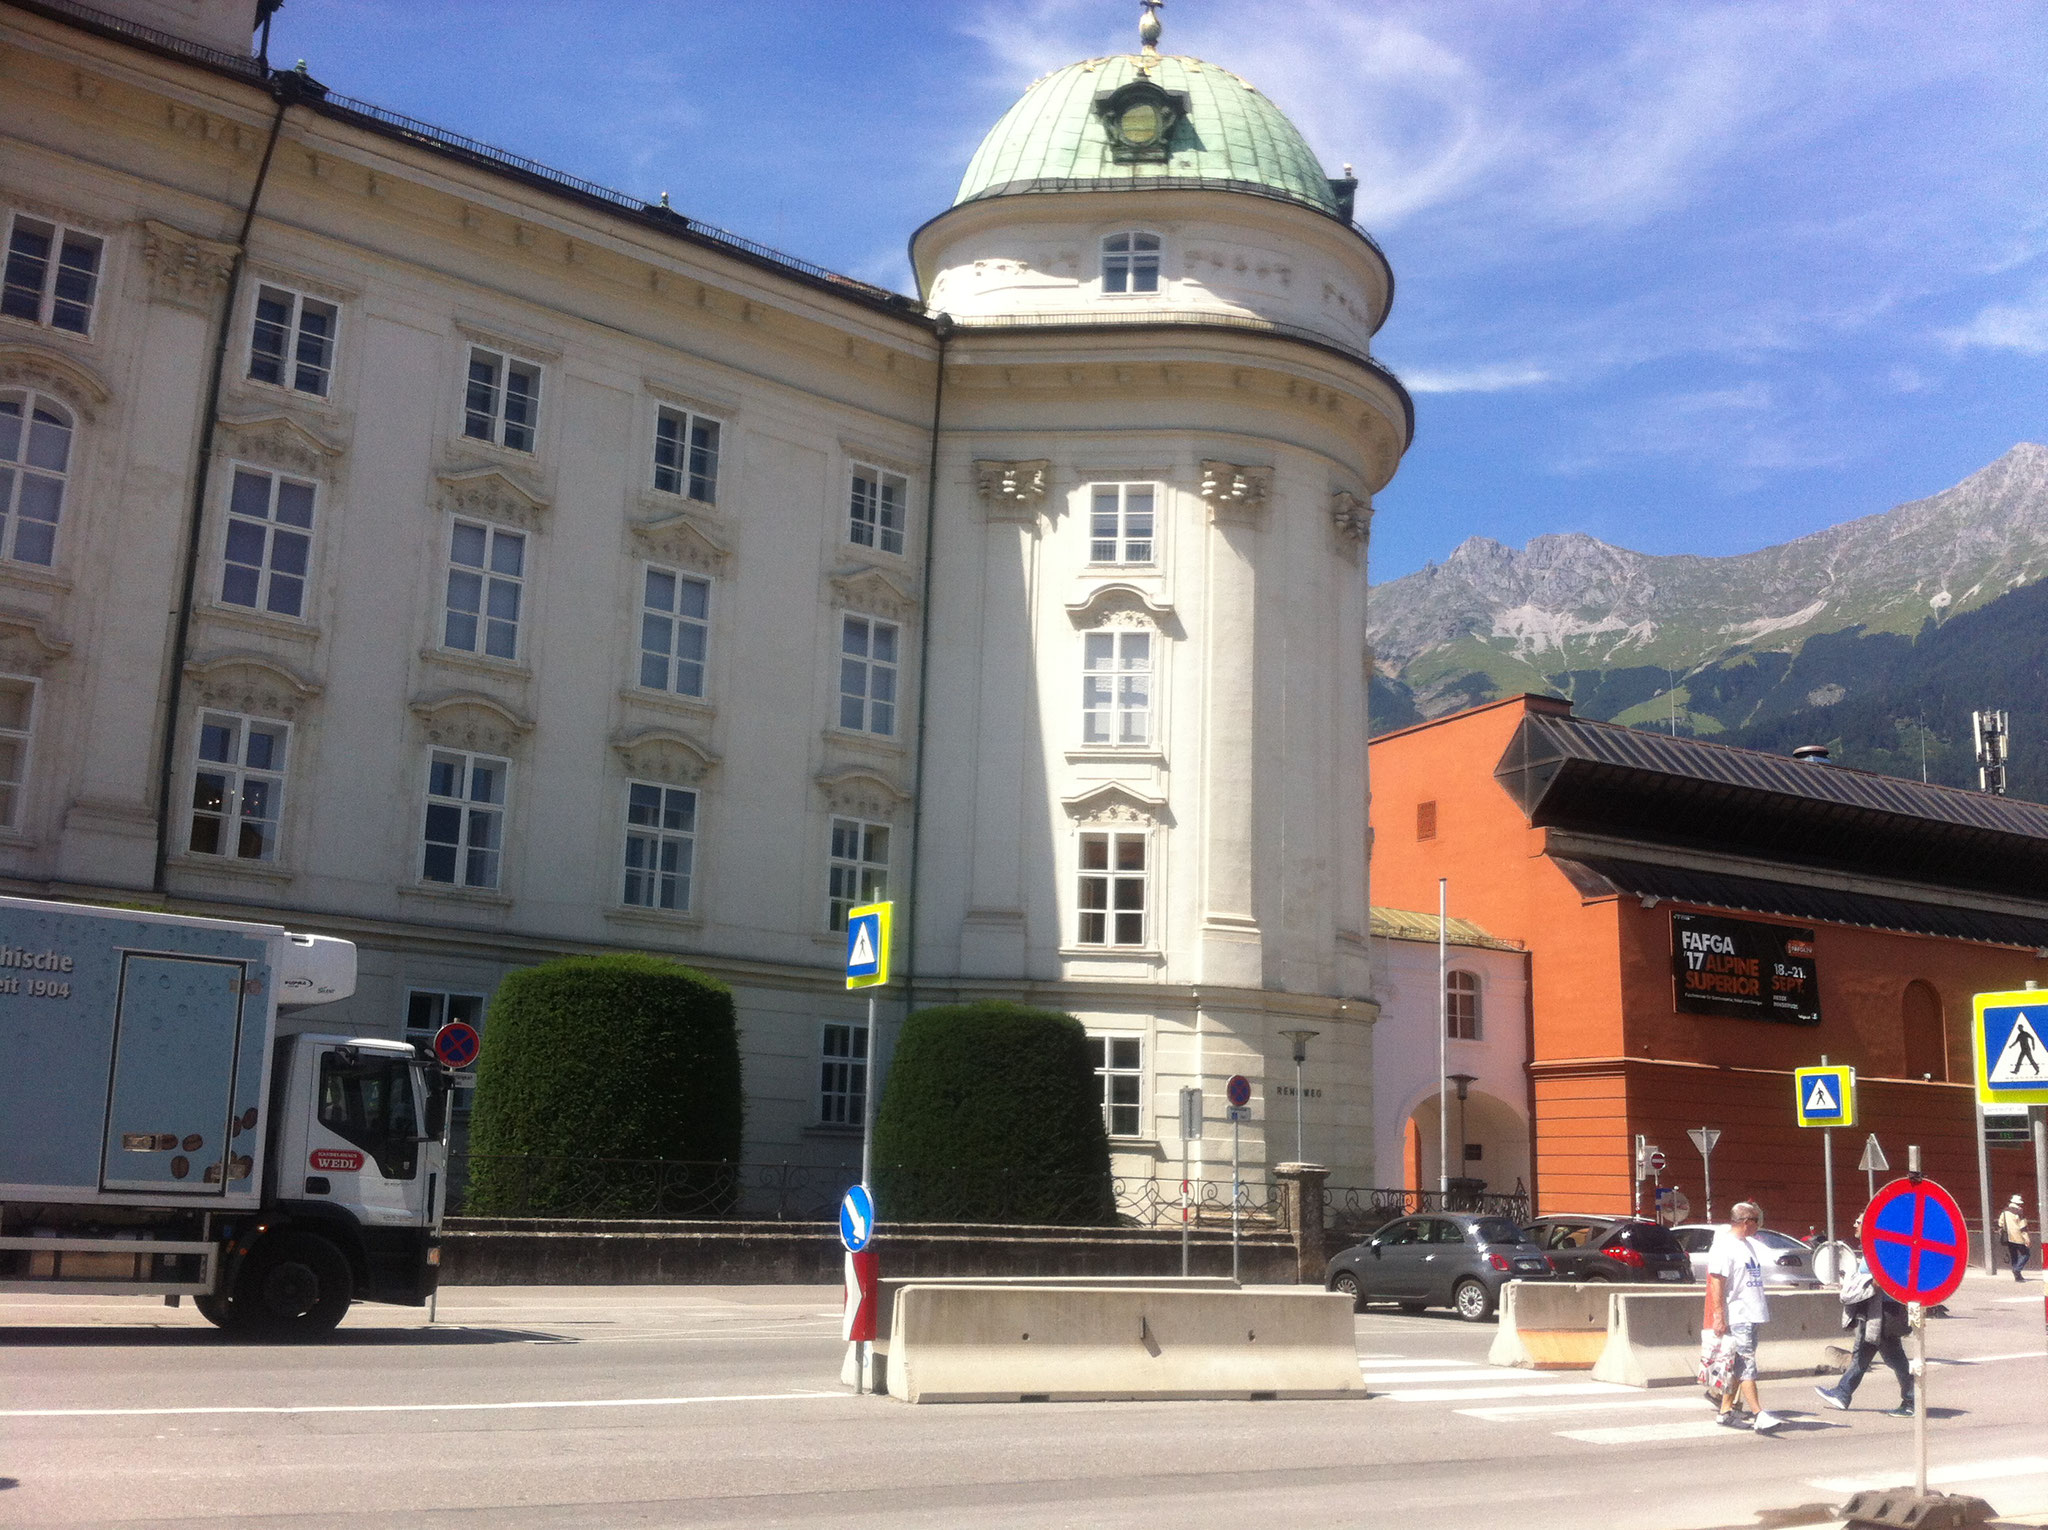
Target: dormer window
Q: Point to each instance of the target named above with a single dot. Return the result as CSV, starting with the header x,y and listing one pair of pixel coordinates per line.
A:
x,y
1130,263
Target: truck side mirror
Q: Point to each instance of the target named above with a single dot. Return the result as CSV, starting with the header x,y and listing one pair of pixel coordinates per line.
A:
x,y
437,1113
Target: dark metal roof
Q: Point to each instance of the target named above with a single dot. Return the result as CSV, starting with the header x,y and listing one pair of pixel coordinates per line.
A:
x,y
488,157
1567,772
1599,876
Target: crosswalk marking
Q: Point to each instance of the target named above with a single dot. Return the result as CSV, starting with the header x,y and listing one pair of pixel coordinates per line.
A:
x,y
1970,1471
1643,1434
1456,1394
1510,1413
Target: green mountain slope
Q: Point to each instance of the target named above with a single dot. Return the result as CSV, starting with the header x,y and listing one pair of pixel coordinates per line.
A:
x,y
1878,636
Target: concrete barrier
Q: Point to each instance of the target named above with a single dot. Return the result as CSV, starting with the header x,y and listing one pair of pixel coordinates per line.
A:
x,y
1653,1337
1015,1343
877,1377
1559,1325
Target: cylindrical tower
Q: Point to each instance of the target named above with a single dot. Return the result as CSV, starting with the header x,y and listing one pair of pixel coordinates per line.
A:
x,y
1144,793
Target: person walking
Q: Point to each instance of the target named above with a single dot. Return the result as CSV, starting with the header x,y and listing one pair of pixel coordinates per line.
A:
x,y
1736,1309
1879,1323
2012,1231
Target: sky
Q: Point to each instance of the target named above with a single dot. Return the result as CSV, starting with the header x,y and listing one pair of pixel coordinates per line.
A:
x,y
1689,277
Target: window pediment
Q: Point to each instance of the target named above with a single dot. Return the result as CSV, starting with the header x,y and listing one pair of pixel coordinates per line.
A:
x,y
277,440
874,592
491,494
27,646
677,539
862,792
255,683
24,365
1114,803
470,720
661,754
1122,605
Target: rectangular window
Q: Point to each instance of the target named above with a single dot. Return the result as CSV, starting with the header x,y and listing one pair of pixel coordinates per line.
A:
x,y
1116,687
1117,1068
35,460
238,786
1120,523
842,1075
291,341
269,543
465,831
52,275
502,401
877,509
686,455
17,725
867,676
1112,901
675,631
661,845
486,576
1461,1006
427,1010
860,867
1130,263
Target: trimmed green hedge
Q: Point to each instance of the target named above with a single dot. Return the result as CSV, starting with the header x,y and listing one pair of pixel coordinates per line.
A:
x,y
993,1113
604,1057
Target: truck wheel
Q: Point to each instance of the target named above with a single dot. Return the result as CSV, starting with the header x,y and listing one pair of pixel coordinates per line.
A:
x,y
294,1286
216,1310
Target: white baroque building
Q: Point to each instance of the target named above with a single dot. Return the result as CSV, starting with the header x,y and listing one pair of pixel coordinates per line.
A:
x,y
415,544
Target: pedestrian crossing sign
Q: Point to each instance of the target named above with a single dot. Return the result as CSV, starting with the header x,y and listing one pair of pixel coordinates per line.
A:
x,y
1826,1096
2010,1037
867,945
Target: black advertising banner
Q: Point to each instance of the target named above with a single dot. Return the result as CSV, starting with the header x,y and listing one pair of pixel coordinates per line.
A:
x,y
1740,967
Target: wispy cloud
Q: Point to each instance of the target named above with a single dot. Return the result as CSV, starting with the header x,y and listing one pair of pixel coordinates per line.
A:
x,y
2020,326
1482,379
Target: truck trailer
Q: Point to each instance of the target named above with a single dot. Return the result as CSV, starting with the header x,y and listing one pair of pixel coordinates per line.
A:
x,y
174,1121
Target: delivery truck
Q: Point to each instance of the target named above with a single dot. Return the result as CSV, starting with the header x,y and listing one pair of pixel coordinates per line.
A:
x,y
175,1121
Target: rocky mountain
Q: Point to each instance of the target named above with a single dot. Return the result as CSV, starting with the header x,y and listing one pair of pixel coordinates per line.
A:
x,y
1855,632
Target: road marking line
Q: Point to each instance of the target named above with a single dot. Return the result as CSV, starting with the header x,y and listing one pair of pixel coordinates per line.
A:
x,y
1973,1471
1643,1434
1468,1394
1403,1363
2018,1354
488,1407
1482,1377
1544,1410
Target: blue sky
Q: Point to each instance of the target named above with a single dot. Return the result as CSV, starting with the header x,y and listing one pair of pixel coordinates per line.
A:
x,y
1689,277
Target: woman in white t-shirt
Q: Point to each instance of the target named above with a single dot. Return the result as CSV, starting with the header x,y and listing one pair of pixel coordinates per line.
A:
x,y
1736,1308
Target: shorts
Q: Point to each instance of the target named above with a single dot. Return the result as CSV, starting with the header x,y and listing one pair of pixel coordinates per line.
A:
x,y
1742,1340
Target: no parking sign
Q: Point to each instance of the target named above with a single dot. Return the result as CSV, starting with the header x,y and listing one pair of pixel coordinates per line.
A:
x,y
1914,1242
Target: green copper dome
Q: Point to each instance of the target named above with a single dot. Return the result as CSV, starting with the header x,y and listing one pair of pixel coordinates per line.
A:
x,y
1095,122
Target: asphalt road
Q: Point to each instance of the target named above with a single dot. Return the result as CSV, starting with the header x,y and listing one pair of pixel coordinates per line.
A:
x,y
605,1407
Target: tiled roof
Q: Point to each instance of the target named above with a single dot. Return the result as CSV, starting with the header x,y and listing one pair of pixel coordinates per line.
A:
x,y
1408,924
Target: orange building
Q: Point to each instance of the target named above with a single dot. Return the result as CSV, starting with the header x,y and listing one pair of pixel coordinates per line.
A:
x,y
1702,920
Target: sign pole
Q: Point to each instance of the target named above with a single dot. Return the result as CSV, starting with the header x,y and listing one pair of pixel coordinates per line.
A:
x,y
1827,1158
1984,1192
1235,1127
1183,1207
867,1105
1916,1314
2040,1122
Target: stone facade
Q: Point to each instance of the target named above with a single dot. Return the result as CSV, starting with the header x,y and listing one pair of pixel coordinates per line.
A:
x,y
834,508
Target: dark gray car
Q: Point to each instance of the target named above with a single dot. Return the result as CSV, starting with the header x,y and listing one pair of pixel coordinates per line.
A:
x,y
1454,1259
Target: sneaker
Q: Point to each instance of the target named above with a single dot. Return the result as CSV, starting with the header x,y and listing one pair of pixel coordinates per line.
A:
x,y
1903,1410
1733,1418
1766,1422
1833,1398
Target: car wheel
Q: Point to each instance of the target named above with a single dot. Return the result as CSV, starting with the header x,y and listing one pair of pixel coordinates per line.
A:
x,y
294,1286
1473,1301
1598,1277
1344,1283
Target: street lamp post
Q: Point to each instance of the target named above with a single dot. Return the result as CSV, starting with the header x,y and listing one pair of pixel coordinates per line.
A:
x,y
1464,1082
1300,1040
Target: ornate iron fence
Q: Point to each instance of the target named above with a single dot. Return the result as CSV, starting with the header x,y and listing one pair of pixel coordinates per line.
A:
x,y
1361,1212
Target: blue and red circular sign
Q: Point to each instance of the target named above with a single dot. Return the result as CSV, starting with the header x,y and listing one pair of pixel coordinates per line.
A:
x,y
457,1043
1914,1241
1239,1090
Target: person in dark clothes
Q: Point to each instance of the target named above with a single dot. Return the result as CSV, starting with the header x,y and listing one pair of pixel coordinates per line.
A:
x,y
1879,1324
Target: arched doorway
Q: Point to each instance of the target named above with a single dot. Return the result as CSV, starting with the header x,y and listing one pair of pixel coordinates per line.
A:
x,y
1498,1131
1924,1034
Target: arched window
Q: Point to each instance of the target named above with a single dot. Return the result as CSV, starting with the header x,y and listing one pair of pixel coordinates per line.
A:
x,y
1130,263
1925,1038
1461,1005
35,464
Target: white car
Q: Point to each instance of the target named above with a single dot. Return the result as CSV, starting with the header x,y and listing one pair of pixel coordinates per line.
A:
x,y
1790,1265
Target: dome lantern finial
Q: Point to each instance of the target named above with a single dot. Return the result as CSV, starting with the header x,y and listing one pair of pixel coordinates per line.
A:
x,y
1148,27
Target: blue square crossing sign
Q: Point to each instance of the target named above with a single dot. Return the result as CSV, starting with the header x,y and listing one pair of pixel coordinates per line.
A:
x,y
2010,1036
1825,1096
867,945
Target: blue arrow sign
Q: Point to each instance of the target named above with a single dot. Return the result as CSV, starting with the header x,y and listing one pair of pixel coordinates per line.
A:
x,y
857,1219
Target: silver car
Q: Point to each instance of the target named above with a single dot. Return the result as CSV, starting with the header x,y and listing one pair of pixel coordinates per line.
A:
x,y
1788,1264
